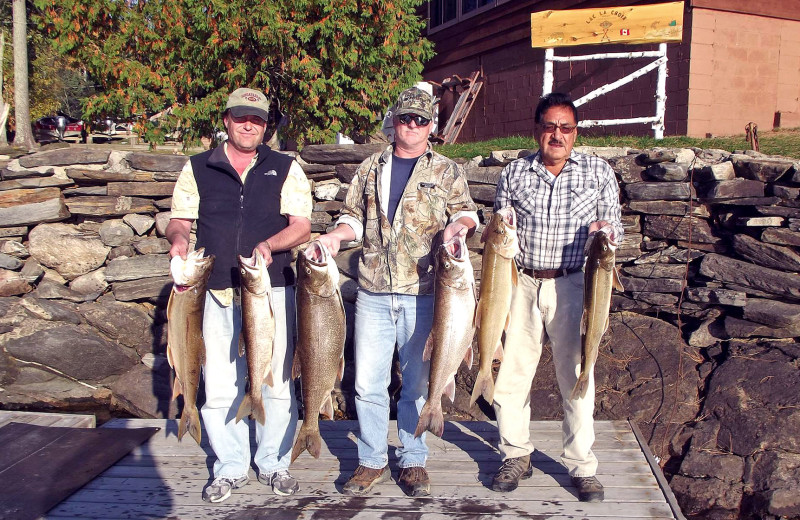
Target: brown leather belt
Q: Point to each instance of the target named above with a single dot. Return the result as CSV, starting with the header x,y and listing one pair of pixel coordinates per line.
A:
x,y
545,274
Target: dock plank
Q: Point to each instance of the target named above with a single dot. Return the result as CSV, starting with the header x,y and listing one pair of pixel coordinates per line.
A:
x,y
163,478
47,419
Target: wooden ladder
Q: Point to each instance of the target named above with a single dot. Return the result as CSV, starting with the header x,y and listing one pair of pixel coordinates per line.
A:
x,y
467,90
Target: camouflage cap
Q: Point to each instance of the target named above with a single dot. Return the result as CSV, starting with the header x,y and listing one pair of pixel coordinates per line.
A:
x,y
414,101
248,102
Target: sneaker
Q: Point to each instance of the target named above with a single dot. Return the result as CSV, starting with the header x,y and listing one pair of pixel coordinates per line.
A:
x,y
364,479
589,489
511,472
281,481
415,481
221,488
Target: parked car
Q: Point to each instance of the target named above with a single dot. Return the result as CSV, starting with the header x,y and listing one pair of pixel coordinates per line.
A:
x,y
59,128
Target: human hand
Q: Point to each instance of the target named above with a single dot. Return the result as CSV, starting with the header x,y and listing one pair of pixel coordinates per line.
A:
x,y
179,247
331,242
266,251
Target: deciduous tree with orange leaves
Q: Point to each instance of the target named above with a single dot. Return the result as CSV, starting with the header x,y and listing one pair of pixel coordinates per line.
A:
x,y
331,65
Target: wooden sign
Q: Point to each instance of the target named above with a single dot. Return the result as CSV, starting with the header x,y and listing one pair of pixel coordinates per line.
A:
x,y
630,24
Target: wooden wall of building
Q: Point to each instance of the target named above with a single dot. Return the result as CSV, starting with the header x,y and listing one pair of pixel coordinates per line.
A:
x,y
497,43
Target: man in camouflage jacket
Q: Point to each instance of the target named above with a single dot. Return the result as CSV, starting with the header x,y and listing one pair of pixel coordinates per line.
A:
x,y
398,201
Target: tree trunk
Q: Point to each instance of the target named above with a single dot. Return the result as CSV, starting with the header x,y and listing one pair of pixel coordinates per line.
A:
x,y
22,112
3,104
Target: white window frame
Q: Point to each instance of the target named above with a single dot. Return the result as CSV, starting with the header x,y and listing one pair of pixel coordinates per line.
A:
x,y
460,16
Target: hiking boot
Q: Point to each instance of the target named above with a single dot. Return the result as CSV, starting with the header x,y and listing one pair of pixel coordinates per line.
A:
x,y
364,479
589,489
221,488
281,482
415,481
511,472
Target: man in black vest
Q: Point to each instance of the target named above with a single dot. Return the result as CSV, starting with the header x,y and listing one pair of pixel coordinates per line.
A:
x,y
243,197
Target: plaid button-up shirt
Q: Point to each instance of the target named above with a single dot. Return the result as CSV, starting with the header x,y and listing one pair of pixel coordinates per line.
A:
x,y
554,212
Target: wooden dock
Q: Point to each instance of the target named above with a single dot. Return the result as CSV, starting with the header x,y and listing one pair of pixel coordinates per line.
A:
x,y
163,478
47,419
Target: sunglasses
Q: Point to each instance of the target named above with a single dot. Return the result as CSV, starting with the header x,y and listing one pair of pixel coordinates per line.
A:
x,y
565,128
407,118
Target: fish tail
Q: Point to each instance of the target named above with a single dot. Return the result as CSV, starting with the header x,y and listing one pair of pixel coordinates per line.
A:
x,y
430,419
308,439
247,408
484,386
190,422
258,412
581,385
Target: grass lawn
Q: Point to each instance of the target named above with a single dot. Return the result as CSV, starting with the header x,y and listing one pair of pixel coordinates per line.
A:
x,y
780,142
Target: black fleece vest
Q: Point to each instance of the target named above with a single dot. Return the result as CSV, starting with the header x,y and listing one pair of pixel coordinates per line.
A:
x,y
235,217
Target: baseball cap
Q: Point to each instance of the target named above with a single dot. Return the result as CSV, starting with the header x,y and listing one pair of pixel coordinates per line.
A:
x,y
248,102
414,101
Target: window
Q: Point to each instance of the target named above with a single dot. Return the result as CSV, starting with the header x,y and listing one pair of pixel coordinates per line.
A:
x,y
447,12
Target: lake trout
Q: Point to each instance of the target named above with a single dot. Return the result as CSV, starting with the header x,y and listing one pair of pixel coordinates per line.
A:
x,y
498,279
450,339
321,330
600,277
258,333
185,348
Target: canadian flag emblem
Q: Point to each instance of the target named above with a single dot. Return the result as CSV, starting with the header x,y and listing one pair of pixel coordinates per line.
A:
x,y
624,32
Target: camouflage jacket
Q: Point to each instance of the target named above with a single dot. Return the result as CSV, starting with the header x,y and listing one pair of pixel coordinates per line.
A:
x,y
396,256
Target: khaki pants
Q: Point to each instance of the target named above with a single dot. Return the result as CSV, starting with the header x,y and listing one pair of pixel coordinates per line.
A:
x,y
542,310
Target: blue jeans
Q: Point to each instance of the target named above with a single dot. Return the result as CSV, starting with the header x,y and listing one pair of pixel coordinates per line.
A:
x,y
225,372
383,321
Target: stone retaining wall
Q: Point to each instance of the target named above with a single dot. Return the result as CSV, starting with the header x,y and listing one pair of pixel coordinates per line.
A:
x,y
701,352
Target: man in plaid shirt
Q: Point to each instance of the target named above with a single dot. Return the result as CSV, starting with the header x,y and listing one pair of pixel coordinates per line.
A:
x,y
560,197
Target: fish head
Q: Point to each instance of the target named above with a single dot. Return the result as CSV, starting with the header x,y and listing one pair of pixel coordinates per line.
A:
x,y
253,274
453,265
501,233
317,269
601,249
189,273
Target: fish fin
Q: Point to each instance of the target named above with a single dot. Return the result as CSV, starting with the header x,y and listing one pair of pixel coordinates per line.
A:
x,y
498,352
583,322
245,408
340,300
242,346
430,419
514,274
271,304
581,385
307,439
326,408
469,357
450,388
474,310
169,355
169,303
296,366
340,375
177,388
268,379
190,422
484,386
616,283
426,354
